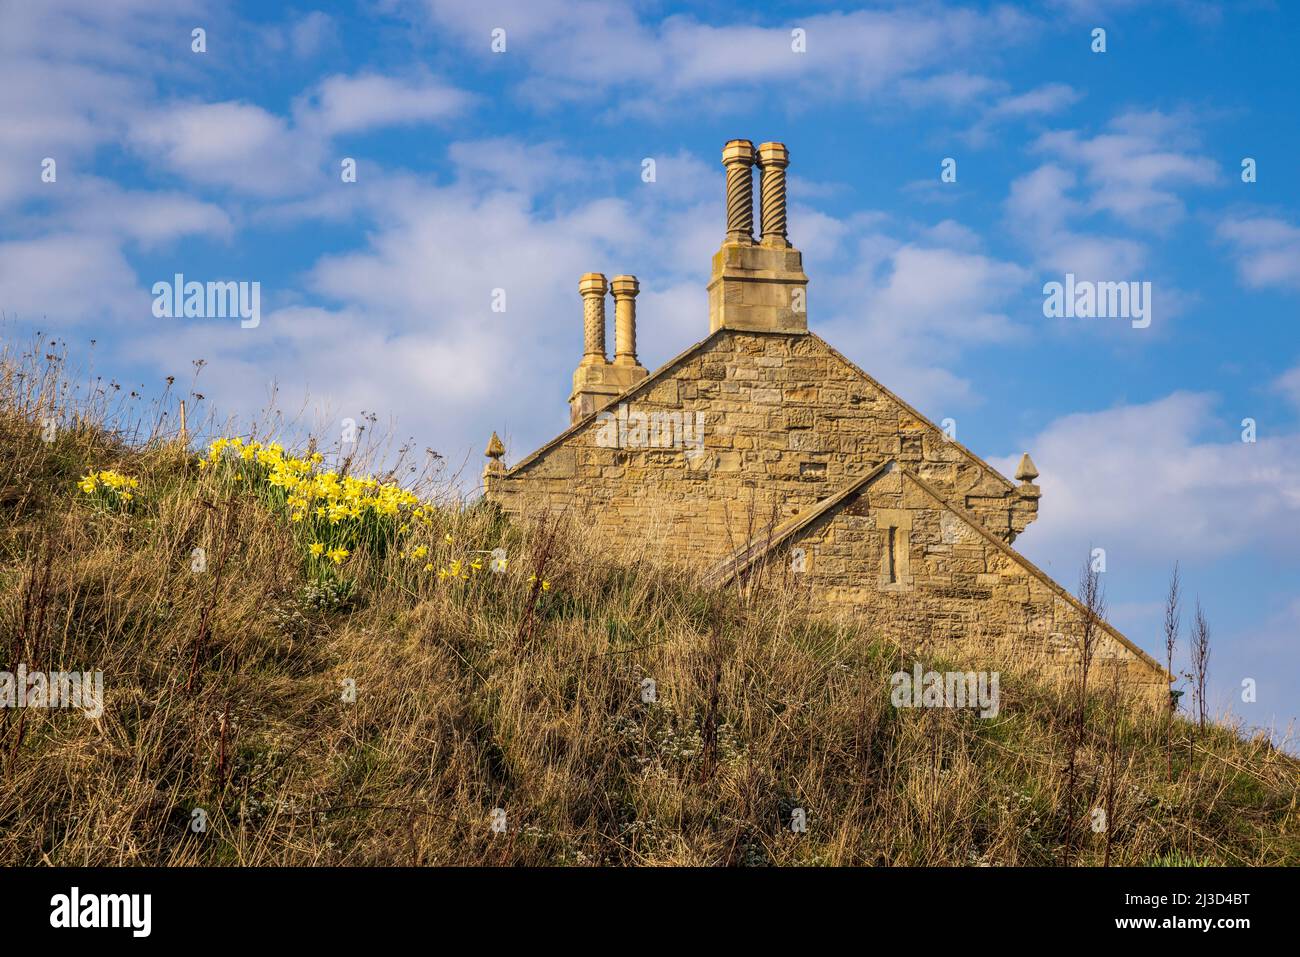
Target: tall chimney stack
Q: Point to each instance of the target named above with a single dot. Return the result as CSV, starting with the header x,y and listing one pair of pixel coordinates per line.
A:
x,y
592,288
625,289
597,381
773,158
738,158
757,287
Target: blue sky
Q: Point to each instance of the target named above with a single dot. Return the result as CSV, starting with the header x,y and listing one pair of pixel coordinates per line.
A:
x,y
520,170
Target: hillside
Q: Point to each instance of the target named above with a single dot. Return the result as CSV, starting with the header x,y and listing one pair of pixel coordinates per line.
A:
x,y
307,670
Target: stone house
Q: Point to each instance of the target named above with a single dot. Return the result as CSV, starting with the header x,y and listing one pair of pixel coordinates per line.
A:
x,y
761,445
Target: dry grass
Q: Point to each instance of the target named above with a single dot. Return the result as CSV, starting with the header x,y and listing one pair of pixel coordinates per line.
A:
x,y
224,693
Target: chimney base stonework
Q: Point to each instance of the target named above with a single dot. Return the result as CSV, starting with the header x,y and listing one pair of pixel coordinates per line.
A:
x,y
596,386
758,289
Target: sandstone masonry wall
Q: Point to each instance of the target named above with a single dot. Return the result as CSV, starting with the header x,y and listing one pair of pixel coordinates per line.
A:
x,y
946,587
786,421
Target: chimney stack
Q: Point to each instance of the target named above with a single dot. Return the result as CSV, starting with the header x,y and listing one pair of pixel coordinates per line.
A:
x,y
625,289
592,287
597,381
757,287
738,158
773,158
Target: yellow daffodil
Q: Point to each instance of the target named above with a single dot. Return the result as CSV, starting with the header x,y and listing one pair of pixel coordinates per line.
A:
x,y
113,483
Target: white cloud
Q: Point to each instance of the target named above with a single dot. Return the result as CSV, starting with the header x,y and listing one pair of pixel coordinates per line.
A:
x,y
509,163
1144,479
958,88
1134,168
312,33
1049,98
73,74
1288,383
909,309
230,144
1267,250
947,294
1205,12
246,148
581,50
68,279
1130,174
353,104
148,217
1041,101
1042,211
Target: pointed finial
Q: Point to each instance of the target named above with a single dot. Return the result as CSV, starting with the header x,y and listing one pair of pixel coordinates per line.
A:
x,y
1026,471
495,467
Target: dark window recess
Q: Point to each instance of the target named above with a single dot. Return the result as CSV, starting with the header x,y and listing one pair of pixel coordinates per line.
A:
x,y
891,556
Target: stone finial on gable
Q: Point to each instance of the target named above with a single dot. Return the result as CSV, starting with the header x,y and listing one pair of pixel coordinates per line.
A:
x,y
1024,508
495,467
1026,471
761,286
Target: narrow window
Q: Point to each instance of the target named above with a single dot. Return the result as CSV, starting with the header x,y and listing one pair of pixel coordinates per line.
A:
x,y
895,526
891,556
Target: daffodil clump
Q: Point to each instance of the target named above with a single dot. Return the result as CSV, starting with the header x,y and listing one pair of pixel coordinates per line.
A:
x,y
455,563
336,514
109,488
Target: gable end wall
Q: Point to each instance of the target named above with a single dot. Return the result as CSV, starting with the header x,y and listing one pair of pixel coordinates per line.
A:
x,y
962,593
786,421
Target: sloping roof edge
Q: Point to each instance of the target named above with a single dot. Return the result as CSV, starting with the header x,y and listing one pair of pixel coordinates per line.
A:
x,y
912,411
743,558
653,378
762,544
647,382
